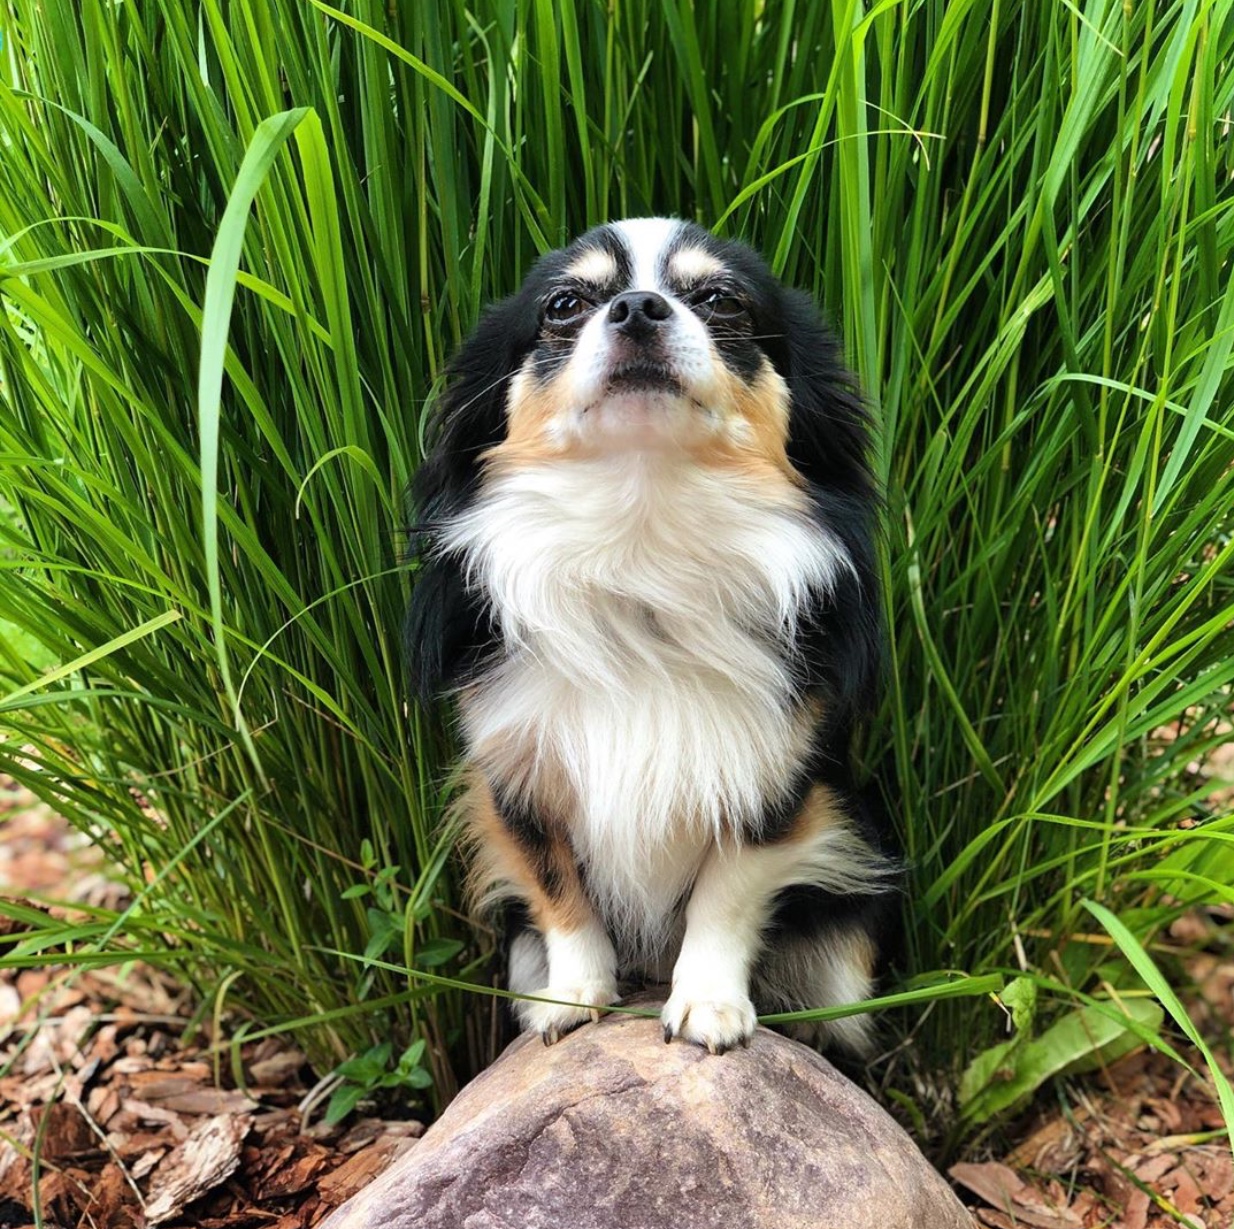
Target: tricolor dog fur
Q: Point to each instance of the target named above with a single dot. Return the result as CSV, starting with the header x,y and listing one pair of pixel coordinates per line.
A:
x,y
647,574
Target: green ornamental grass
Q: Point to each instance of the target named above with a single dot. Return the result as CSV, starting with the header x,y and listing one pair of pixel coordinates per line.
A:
x,y
240,238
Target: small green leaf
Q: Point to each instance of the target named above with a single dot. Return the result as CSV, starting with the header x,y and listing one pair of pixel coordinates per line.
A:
x,y
992,1065
418,1078
368,1067
384,935
412,1055
1019,996
344,1100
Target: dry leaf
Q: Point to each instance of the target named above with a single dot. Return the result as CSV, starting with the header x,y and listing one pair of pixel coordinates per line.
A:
x,y
1186,1191
1136,1214
211,1101
1002,1187
1053,1148
277,1070
1150,1171
996,1220
995,1183
1217,1167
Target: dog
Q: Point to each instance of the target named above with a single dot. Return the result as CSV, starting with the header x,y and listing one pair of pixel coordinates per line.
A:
x,y
647,574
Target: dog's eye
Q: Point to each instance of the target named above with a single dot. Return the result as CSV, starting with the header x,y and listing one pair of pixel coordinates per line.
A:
x,y
566,308
718,304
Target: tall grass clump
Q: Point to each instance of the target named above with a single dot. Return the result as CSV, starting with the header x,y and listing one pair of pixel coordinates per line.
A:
x,y
238,238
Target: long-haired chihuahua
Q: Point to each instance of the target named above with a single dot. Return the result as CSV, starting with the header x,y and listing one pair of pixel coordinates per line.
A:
x,y
647,574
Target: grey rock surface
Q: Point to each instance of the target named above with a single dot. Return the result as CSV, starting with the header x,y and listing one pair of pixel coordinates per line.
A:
x,y
611,1127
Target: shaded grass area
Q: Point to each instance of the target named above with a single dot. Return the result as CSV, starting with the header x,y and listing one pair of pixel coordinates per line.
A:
x,y
237,241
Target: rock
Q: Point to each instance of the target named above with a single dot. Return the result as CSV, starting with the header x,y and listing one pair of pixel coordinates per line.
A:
x,y
612,1128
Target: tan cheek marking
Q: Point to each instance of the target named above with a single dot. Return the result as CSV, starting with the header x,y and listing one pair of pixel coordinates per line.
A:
x,y
762,410
760,407
532,409
546,880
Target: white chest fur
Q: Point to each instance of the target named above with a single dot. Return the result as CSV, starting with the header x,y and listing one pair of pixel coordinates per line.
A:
x,y
647,606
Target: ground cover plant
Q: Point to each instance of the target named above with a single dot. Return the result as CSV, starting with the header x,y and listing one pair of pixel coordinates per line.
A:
x,y
238,241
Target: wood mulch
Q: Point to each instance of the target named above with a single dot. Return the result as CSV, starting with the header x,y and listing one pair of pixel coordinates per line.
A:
x,y
111,1119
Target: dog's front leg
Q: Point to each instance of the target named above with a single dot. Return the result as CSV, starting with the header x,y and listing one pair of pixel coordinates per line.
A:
x,y
581,976
531,854
710,1000
732,902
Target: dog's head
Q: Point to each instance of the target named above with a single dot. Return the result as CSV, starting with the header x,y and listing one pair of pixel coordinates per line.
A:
x,y
645,336
649,334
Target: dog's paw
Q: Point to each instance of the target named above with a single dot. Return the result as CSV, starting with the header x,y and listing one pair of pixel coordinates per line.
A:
x,y
717,1021
576,1005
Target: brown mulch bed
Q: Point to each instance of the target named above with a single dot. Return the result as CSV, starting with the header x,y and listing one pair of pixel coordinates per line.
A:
x,y
119,1122
128,1126
114,1116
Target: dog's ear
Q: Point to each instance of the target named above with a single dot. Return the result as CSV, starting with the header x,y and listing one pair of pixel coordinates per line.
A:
x,y
829,444
829,426
449,626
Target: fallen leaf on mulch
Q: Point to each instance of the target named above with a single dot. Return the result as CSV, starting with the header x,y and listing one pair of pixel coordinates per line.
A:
x,y
1054,1148
1024,1202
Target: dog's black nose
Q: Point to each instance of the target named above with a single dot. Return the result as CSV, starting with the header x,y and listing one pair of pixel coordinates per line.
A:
x,y
637,312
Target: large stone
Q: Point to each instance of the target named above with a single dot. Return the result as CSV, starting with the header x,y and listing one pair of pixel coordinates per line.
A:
x,y
611,1127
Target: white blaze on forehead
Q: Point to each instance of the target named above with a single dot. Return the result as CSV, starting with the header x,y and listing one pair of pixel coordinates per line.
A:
x,y
647,239
593,265
694,264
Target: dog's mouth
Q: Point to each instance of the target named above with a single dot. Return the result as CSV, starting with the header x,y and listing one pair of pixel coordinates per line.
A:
x,y
645,377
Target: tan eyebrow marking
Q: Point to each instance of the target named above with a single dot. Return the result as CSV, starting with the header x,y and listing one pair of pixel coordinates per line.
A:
x,y
692,264
593,265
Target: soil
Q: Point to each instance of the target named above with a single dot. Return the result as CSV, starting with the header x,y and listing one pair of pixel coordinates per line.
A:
x,y
116,1112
